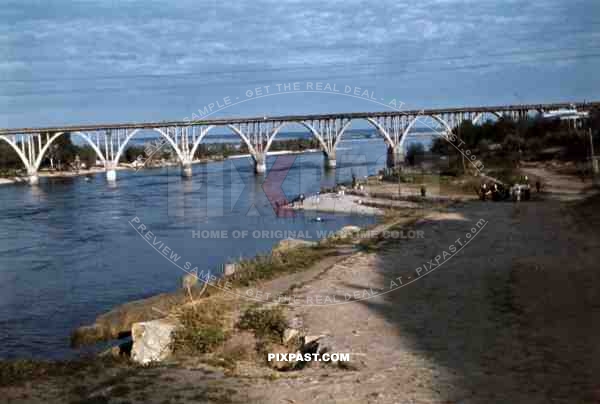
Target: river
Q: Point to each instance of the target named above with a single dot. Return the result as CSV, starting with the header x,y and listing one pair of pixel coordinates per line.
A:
x,y
68,252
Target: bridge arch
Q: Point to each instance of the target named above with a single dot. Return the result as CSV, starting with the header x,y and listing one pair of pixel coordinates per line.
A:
x,y
308,126
233,128
414,121
40,157
379,129
18,151
481,114
160,132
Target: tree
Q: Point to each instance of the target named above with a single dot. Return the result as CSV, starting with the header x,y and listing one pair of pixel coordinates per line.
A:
x,y
62,150
132,153
415,151
9,159
87,156
594,120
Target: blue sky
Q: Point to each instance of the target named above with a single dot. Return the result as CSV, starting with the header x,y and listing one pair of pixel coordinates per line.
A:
x,y
68,62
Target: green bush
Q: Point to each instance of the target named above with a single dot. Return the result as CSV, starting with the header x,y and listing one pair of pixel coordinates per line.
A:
x,y
202,328
267,324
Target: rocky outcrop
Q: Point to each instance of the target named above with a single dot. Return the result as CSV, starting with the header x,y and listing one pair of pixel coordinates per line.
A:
x,y
117,323
152,340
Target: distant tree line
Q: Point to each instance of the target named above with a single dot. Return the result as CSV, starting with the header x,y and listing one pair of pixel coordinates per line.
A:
x,y
507,142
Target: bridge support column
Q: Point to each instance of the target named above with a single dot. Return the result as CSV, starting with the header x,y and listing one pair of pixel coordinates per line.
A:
x,y
111,173
330,161
32,177
260,164
395,156
186,169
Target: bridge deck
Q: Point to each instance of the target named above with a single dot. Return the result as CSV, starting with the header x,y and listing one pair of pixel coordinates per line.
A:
x,y
300,118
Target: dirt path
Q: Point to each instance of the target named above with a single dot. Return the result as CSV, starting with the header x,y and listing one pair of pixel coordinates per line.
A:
x,y
501,321
555,185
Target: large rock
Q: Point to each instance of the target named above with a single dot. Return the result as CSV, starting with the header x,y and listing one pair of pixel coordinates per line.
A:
x,y
152,340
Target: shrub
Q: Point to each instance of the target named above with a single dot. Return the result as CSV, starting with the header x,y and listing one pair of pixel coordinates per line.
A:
x,y
202,328
267,324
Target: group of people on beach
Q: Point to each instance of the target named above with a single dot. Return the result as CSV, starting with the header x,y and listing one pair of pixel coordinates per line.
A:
x,y
497,191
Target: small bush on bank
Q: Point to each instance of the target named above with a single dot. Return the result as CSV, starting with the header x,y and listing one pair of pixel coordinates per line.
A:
x,y
202,328
267,324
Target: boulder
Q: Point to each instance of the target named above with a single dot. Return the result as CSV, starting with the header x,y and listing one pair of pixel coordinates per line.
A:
x,y
152,340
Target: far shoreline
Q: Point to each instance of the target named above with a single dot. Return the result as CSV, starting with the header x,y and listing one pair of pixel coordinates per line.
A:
x,y
128,166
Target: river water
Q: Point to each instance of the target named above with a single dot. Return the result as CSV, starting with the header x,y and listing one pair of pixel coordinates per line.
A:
x,y
68,252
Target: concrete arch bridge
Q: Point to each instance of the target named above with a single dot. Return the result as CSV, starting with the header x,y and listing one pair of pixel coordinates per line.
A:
x,y
109,141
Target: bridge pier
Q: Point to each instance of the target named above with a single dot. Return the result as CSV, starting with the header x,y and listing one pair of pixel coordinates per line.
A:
x,y
330,161
395,156
32,177
260,163
186,169
111,175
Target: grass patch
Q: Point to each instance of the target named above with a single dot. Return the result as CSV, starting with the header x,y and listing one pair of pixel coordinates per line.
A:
x,y
268,266
17,372
267,324
202,328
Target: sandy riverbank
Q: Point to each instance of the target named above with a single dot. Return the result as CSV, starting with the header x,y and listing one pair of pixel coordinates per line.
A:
x,y
351,204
